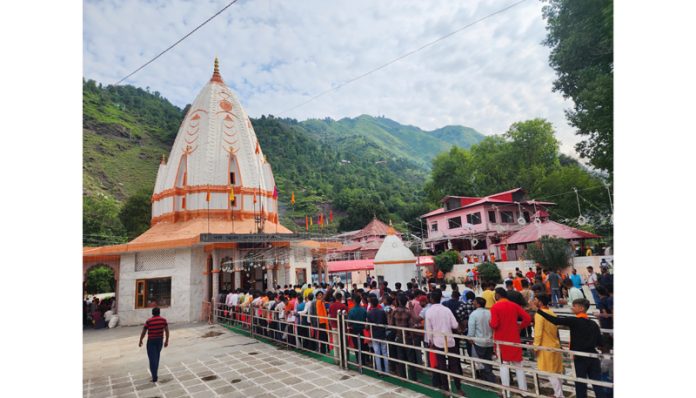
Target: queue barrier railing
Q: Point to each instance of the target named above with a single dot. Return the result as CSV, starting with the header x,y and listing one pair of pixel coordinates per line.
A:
x,y
307,333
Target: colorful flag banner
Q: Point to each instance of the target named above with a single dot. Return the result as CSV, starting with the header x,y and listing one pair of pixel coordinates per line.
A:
x,y
330,216
275,192
292,199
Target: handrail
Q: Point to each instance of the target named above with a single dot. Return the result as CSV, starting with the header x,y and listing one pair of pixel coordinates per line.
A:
x,y
343,331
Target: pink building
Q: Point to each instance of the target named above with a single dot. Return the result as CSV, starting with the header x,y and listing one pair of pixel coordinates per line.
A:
x,y
476,226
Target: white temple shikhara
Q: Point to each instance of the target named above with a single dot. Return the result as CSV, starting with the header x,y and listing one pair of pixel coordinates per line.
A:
x,y
214,220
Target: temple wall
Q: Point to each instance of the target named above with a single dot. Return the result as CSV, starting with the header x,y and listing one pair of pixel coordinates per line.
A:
x,y
187,287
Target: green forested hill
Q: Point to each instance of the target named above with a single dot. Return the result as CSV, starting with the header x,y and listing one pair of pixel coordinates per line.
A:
x,y
357,167
393,139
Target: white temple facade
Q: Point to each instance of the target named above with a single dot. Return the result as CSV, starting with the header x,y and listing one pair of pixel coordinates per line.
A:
x,y
214,220
394,262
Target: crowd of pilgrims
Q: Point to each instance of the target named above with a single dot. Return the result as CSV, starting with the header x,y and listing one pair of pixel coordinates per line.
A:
x,y
99,314
305,316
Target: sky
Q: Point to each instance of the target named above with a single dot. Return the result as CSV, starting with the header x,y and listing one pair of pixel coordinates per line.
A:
x,y
278,54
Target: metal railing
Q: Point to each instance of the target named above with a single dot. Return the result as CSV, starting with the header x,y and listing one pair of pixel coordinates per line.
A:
x,y
335,338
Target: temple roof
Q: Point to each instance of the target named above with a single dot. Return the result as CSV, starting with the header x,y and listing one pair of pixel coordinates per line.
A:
x,y
374,228
534,231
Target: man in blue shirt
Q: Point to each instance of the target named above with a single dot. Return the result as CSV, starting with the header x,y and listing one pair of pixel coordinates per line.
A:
x,y
576,279
480,329
358,313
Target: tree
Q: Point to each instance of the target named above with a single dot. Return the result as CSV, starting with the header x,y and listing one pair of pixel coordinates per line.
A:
x,y
445,261
522,157
489,272
100,222
100,279
452,174
135,214
580,36
552,253
532,153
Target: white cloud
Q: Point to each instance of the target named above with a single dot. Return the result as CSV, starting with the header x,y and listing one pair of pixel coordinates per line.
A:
x,y
277,54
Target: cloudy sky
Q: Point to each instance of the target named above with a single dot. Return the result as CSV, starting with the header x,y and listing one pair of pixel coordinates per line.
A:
x,y
277,54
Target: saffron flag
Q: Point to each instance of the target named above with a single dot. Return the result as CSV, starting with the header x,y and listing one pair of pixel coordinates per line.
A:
x,y
292,199
321,218
232,195
330,216
258,149
207,196
275,192
306,223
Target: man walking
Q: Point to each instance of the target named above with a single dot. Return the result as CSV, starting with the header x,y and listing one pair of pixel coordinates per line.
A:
x,y
576,279
592,284
555,283
155,328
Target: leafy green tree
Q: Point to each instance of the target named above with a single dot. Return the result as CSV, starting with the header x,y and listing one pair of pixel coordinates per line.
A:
x,y
100,222
445,261
135,214
100,279
532,153
551,252
580,35
521,157
451,174
489,272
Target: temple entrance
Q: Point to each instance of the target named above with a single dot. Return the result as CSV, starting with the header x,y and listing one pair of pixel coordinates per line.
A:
x,y
226,275
253,276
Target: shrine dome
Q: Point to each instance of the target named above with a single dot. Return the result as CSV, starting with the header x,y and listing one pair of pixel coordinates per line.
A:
x,y
394,261
215,151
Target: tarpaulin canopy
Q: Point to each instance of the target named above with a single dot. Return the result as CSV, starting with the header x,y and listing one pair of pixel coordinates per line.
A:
x,y
351,265
533,232
425,261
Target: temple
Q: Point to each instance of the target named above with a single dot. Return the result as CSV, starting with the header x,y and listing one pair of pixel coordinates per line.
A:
x,y
215,223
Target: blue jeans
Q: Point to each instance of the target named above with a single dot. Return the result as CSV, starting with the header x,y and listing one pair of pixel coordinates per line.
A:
x,y
381,349
555,295
154,346
595,296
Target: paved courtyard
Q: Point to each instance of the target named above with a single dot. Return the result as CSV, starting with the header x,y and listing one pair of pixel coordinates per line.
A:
x,y
209,361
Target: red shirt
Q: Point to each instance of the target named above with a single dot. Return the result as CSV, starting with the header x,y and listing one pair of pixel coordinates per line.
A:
x,y
504,316
333,312
155,327
530,275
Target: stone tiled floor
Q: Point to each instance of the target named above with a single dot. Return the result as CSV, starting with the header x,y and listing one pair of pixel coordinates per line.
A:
x,y
224,364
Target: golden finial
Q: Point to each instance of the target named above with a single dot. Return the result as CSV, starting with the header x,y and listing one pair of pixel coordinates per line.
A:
x,y
216,72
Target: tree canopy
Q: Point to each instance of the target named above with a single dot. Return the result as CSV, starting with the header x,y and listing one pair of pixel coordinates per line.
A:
x,y
580,35
552,253
100,279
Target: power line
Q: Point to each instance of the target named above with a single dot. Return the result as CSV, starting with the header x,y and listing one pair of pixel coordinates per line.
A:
x,y
399,58
177,42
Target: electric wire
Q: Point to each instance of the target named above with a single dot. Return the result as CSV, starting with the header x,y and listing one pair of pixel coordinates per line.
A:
x,y
177,42
399,58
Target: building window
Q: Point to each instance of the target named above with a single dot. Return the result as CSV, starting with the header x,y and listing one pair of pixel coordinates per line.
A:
x,y
454,222
474,218
507,217
153,292
232,180
433,226
491,217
